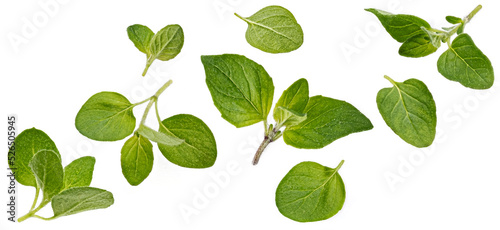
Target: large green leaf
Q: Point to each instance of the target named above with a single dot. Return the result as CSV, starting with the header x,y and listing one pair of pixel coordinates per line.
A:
x,y
291,105
137,159
327,120
310,192
400,26
241,89
75,200
465,63
409,110
28,143
198,150
141,37
79,173
47,168
273,29
106,116
417,46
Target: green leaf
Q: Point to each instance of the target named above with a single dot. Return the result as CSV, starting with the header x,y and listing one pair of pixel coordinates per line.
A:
x,y
400,26
106,116
310,192
165,45
409,110
198,149
293,100
47,168
465,63
76,200
453,19
461,29
137,159
141,37
273,29
158,137
241,89
28,143
417,46
289,117
79,173
327,120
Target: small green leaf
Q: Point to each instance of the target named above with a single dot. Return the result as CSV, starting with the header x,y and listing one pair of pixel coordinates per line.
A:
x,y
47,168
400,26
141,37
289,117
137,159
293,100
158,137
165,45
198,150
465,63
310,192
410,111
76,200
28,143
273,29
417,46
453,19
106,116
79,173
241,89
327,120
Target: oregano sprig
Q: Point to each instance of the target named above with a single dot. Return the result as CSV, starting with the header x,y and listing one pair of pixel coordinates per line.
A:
x,y
164,45
463,61
38,164
183,139
243,91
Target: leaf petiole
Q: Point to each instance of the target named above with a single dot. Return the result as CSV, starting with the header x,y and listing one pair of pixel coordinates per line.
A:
x,y
36,199
33,212
152,100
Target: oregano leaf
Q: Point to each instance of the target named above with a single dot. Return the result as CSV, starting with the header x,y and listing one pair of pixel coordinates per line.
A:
x,y
289,117
137,159
294,99
106,116
453,19
79,173
417,46
400,26
198,150
465,63
410,111
241,89
327,120
310,192
141,37
80,199
165,45
273,29
159,137
47,168
28,143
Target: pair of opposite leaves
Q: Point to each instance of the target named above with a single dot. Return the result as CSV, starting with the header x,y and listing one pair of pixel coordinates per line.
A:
x,y
272,29
463,62
38,164
243,93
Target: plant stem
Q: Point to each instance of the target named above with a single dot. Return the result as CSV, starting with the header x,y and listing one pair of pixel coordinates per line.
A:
x,y
390,79
152,100
33,212
338,167
268,138
474,12
36,199
148,64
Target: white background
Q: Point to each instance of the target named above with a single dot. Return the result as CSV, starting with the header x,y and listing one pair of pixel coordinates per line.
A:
x,y
81,48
